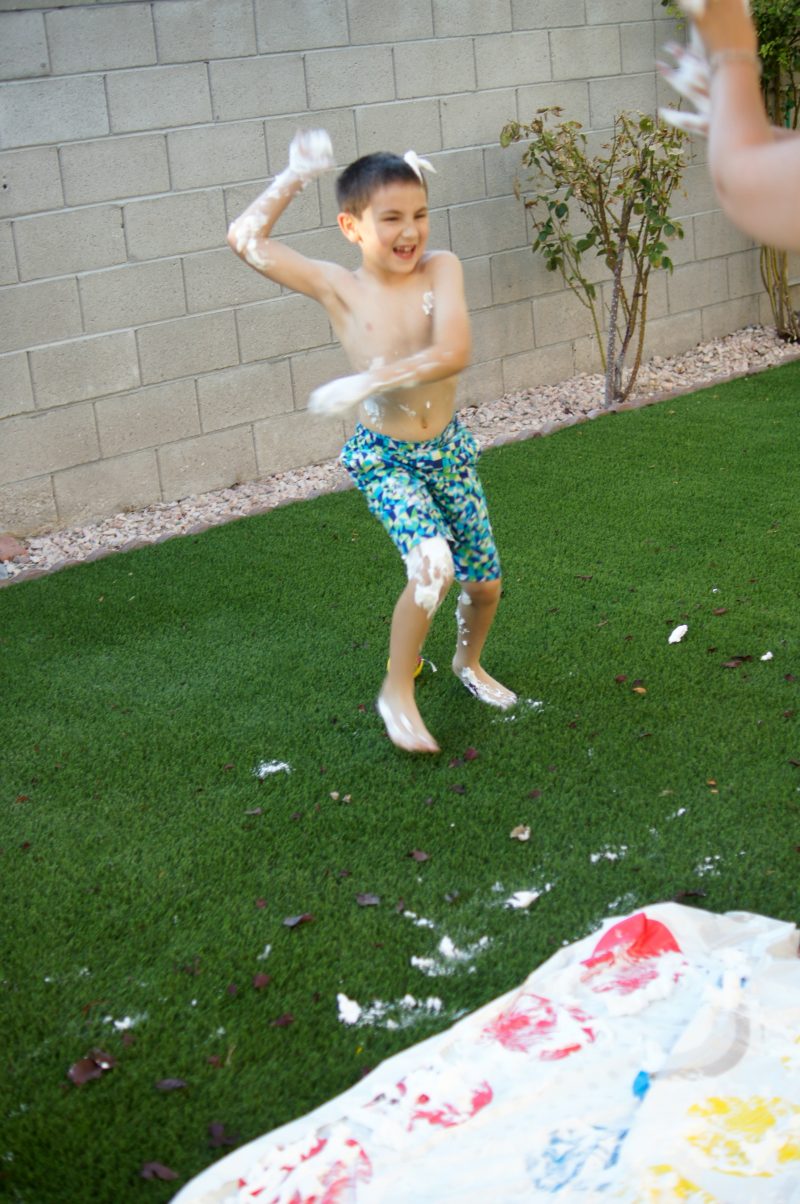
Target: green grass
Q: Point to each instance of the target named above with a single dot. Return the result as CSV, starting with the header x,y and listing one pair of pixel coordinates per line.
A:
x,y
139,693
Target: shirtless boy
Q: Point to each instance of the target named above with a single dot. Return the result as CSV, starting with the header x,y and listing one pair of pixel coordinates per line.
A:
x,y
402,319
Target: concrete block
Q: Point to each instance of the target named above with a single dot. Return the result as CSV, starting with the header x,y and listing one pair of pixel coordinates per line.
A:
x,y
470,17
722,319
300,24
207,462
434,67
281,327
329,243
187,346
217,154
501,330
580,52
29,181
258,87
638,46
586,356
8,259
605,11
502,168
544,366
715,236
55,244
572,96
310,369
153,98
147,418
132,295
476,118
340,124
695,193
111,169
483,227
459,177
765,315
374,21
100,38
95,491
672,335
295,440
192,30
28,507
439,226
629,93
697,284
657,300
744,274
560,317
84,368
244,394
682,250
173,225
520,274
512,58
38,313
52,110
16,392
478,282
23,45
479,383
547,14
34,444
219,279
415,122
356,74
302,214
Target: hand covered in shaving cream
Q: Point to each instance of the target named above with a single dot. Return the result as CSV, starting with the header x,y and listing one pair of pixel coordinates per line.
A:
x,y
690,77
310,154
340,395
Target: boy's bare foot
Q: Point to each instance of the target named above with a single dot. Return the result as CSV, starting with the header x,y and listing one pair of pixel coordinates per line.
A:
x,y
484,687
404,724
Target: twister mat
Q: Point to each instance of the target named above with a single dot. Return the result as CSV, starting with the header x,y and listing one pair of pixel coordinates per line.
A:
x,y
657,1060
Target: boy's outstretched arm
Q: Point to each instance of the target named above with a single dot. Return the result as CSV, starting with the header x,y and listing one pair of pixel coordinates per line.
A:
x,y
447,354
310,155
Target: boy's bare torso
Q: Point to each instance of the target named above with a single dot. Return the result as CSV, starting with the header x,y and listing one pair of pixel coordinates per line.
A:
x,y
380,323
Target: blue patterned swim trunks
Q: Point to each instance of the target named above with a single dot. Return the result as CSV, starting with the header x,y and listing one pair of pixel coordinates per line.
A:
x,y
420,490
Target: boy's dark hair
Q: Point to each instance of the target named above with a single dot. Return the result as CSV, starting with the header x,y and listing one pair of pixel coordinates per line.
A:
x,y
357,183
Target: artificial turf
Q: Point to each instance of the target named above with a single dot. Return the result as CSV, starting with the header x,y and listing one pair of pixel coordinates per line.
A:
x,y
147,871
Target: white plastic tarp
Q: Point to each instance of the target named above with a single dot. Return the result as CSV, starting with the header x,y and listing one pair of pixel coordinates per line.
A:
x,y
655,1061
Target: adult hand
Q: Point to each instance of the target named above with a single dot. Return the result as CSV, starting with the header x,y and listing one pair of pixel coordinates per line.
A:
x,y
722,24
690,78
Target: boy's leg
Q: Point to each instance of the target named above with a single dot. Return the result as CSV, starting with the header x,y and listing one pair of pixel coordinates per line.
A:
x,y
459,496
477,603
383,469
430,574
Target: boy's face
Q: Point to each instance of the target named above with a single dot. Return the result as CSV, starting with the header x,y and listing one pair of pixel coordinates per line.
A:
x,y
392,231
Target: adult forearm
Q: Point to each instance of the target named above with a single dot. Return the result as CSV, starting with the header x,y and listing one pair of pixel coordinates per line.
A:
x,y
756,181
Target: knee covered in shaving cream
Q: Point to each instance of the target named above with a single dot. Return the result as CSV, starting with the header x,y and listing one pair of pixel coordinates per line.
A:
x,y
430,567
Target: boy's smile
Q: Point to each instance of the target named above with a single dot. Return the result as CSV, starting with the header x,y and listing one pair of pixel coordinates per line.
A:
x,y
392,231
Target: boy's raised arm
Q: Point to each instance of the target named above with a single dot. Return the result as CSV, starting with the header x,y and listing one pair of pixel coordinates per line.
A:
x,y
447,354
310,155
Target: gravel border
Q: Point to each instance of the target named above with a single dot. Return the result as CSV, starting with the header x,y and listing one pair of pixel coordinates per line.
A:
x,y
518,415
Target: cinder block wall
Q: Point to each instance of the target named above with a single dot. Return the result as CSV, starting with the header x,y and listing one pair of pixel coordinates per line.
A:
x,y
140,360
